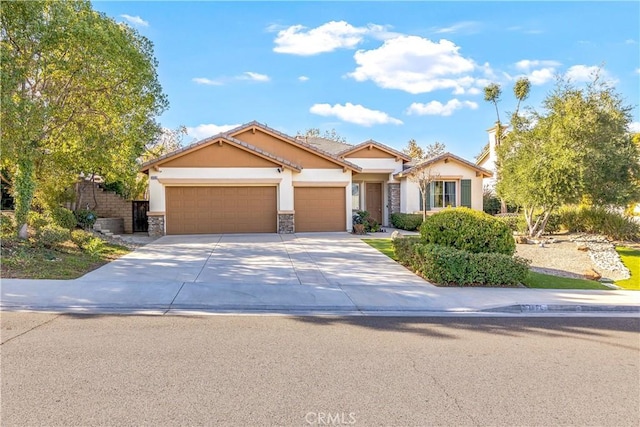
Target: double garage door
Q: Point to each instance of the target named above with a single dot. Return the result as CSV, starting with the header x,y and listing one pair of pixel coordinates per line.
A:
x,y
213,210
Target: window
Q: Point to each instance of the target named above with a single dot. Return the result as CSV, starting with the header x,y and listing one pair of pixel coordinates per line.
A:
x,y
355,196
443,194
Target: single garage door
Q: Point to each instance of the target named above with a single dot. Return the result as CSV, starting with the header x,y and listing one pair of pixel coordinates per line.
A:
x,y
320,209
212,210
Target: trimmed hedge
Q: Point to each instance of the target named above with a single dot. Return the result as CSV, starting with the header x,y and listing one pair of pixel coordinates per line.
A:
x,y
404,221
449,266
469,230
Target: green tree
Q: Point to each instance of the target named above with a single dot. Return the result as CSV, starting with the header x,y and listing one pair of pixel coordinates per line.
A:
x,y
413,150
493,94
577,149
79,94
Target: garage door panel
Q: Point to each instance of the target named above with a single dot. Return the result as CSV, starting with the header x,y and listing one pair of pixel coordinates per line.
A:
x,y
211,210
320,209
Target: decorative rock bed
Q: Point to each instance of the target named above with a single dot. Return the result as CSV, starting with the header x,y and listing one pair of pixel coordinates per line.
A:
x,y
602,253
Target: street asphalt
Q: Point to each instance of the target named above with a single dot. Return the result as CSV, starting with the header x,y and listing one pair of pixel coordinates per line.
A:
x,y
310,273
90,370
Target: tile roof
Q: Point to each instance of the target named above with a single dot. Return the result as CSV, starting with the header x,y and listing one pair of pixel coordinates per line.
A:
x,y
442,157
296,141
376,144
324,144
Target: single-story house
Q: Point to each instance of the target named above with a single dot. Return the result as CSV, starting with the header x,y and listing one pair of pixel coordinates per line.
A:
x,y
254,179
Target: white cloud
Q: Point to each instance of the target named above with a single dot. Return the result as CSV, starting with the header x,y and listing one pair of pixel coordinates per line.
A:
x,y
464,26
527,64
206,81
303,78
300,40
247,75
354,114
585,73
207,130
541,76
538,71
634,127
135,20
256,77
415,65
637,70
474,91
435,108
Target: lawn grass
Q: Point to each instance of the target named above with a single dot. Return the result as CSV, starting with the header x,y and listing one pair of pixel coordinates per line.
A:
x,y
383,245
26,260
534,280
631,259
547,281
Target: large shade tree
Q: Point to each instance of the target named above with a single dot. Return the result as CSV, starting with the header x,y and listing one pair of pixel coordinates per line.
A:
x,y
577,149
80,94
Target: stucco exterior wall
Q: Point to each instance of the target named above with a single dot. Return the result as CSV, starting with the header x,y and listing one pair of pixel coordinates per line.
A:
x,y
377,164
451,171
285,180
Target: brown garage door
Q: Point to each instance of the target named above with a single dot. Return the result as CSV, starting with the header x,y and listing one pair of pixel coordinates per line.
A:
x,y
320,209
210,210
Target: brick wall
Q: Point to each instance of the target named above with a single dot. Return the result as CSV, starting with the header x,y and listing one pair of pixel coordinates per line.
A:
x,y
107,204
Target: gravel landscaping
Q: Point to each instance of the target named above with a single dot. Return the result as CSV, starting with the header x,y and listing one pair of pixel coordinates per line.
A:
x,y
560,256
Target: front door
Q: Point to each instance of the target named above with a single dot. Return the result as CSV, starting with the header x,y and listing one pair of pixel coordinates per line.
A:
x,y
374,200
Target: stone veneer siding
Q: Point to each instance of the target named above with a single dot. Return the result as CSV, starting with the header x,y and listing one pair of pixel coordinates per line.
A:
x,y
286,224
393,195
156,225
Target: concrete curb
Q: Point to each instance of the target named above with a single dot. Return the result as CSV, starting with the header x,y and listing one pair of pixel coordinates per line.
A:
x,y
262,309
560,308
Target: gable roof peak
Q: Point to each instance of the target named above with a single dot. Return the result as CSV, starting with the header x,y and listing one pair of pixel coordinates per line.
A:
x,y
379,145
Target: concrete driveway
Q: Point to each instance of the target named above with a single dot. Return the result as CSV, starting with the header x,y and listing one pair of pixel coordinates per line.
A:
x,y
328,273
331,260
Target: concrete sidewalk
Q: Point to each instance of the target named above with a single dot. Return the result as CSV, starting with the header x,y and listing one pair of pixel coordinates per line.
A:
x,y
203,297
304,273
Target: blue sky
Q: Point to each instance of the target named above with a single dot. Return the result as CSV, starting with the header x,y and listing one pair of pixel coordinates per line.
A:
x,y
388,71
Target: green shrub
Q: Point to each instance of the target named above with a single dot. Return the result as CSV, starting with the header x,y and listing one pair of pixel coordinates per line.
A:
x,y
86,218
404,221
7,227
490,203
63,217
403,248
612,224
449,266
52,235
37,221
469,230
94,246
364,217
515,222
553,223
81,238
